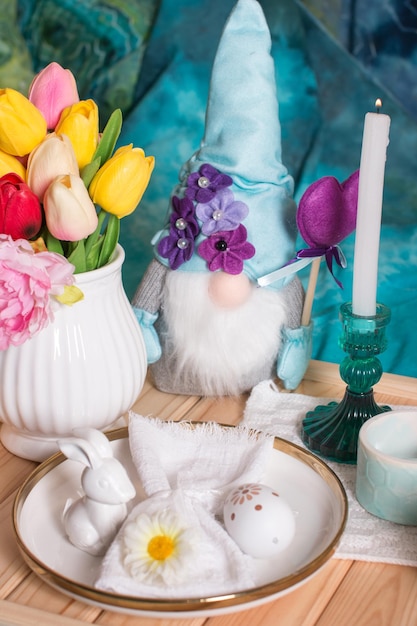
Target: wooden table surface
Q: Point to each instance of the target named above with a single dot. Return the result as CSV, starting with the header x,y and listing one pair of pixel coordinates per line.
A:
x,y
344,592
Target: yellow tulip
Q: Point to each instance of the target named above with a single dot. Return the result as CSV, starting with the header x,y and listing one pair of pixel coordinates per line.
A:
x,y
53,157
80,123
22,125
119,185
9,163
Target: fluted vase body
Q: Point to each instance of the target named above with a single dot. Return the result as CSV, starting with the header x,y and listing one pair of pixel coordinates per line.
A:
x,y
86,368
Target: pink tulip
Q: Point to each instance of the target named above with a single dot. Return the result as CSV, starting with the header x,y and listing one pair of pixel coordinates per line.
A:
x,y
69,212
53,157
52,90
20,210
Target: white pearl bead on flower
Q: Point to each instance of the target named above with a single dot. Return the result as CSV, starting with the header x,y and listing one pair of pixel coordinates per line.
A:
x,y
182,243
181,223
203,182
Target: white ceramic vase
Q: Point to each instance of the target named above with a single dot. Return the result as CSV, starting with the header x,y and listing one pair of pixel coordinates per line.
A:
x,y
86,368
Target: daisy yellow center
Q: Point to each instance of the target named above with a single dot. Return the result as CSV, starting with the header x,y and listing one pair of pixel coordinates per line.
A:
x,y
160,547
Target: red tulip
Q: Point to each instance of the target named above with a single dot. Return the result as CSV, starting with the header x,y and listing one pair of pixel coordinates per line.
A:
x,y
20,209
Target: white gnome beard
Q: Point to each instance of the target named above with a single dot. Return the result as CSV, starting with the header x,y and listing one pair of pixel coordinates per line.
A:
x,y
217,349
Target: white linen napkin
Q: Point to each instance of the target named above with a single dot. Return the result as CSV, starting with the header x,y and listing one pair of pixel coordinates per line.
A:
x,y
366,537
189,470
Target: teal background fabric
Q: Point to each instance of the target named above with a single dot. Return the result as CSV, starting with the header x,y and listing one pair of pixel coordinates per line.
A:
x,y
101,41
333,59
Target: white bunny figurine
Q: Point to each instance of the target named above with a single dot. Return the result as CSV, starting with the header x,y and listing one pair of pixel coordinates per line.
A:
x,y
92,521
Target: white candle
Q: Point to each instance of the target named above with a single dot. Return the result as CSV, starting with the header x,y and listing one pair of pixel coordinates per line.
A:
x,y
368,221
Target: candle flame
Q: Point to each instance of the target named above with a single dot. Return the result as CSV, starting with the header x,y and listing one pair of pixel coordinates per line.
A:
x,y
378,104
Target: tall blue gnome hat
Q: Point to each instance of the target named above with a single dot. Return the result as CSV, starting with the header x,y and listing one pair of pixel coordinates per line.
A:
x,y
233,208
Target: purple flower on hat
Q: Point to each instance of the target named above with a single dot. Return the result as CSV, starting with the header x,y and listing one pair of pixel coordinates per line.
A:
x,y
182,217
203,185
178,246
223,212
226,250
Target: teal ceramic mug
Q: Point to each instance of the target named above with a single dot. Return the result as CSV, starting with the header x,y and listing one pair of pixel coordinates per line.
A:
x,y
386,478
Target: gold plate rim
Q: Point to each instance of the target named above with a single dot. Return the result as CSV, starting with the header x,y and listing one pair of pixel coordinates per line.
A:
x,y
167,605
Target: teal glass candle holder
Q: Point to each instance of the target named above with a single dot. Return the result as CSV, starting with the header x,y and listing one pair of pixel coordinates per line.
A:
x,y
332,430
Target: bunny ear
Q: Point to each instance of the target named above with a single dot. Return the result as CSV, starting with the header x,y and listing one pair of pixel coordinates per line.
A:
x,y
97,439
80,450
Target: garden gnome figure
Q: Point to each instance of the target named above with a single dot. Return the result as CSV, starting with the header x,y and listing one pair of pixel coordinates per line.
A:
x,y
209,328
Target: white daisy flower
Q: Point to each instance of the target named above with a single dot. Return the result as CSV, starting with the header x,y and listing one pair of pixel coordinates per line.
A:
x,y
158,548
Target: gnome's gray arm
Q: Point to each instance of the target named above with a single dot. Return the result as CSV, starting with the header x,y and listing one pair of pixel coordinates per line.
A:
x,y
146,304
296,340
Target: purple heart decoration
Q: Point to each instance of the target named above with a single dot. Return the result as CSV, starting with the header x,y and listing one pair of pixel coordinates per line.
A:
x,y
327,211
326,215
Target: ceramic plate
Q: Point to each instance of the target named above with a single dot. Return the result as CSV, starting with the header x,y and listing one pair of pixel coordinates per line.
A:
x,y
311,488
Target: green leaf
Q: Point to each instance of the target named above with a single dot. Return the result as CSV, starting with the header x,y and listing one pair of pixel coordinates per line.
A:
x,y
77,257
110,239
92,239
94,255
88,171
109,137
52,243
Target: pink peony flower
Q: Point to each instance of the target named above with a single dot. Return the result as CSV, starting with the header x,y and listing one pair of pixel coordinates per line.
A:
x,y
27,282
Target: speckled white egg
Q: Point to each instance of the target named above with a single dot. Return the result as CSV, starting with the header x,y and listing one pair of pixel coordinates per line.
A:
x,y
259,520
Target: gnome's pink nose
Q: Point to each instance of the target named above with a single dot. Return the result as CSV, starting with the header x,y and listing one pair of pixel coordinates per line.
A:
x,y
229,290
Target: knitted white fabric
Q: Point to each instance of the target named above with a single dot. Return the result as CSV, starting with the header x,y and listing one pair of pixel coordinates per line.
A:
x,y
366,537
